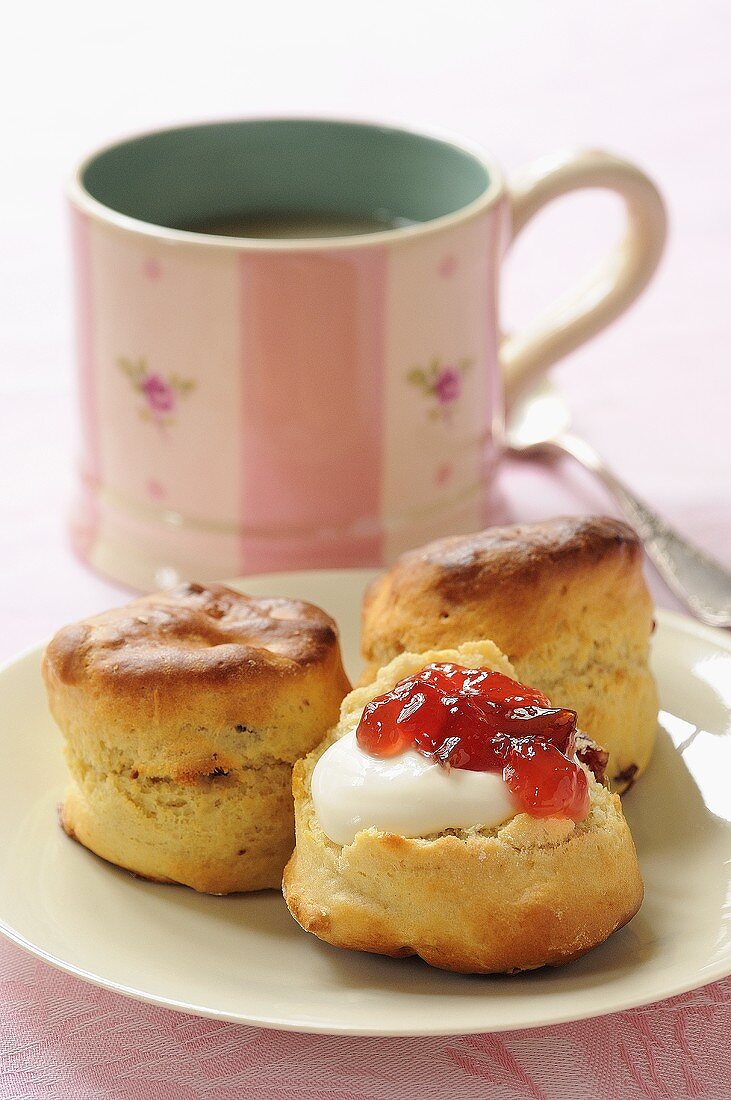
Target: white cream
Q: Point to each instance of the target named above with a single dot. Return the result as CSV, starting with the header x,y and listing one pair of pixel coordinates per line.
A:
x,y
407,794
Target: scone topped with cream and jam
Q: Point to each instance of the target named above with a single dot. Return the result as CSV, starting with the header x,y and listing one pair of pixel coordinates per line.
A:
x,y
182,714
456,815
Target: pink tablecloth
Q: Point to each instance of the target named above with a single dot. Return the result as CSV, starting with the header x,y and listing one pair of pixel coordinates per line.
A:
x,y
649,80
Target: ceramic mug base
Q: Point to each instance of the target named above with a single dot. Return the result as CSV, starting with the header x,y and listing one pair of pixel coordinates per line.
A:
x,y
146,552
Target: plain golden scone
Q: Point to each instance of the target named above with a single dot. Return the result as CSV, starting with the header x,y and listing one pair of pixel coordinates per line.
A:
x,y
530,893
182,715
564,599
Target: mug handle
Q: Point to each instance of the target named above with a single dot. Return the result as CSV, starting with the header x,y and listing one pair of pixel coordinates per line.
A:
x,y
612,287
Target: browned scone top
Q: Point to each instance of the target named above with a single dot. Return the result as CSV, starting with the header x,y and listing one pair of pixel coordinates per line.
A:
x,y
201,665
205,633
565,599
522,575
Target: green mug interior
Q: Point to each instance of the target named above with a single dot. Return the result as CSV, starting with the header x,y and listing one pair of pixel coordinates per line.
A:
x,y
228,170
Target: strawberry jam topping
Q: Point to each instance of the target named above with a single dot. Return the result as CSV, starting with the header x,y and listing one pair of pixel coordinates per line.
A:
x,y
481,720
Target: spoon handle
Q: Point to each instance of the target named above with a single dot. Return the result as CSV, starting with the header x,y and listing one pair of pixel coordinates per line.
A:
x,y
702,583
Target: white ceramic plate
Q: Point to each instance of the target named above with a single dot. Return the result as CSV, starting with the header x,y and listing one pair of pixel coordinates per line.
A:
x,y
243,958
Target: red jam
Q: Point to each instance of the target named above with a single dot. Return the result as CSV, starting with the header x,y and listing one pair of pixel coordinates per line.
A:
x,y
483,721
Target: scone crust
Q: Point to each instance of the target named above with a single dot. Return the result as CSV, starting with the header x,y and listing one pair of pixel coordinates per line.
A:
x,y
197,679
182,714
527,894
565,599
218,835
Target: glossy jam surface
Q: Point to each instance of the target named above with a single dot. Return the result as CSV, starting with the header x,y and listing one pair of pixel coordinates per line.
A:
x,y
481,720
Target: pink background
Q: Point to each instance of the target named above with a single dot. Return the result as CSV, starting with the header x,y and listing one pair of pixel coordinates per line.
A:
x,y
649,80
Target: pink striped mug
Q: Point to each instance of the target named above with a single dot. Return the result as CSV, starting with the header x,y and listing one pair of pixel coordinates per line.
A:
x,y
289,350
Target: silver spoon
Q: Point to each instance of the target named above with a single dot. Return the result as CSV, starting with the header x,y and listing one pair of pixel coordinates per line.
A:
x,y
538,425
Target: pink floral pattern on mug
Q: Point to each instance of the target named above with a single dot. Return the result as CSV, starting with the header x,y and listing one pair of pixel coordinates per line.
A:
x,y
448,266
161,395
152,268
441,381
443,475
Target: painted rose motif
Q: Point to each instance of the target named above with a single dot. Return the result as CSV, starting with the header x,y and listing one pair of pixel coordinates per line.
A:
x,y
160,395
448,385
441,381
